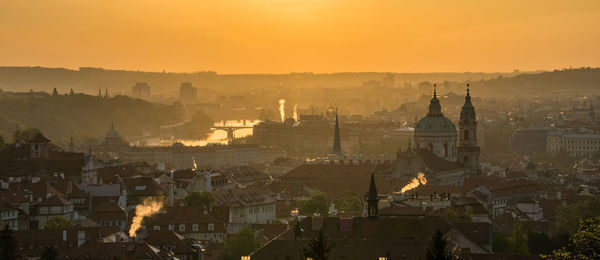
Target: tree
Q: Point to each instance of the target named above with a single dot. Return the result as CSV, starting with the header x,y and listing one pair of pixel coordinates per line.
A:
x,y
567,218
241,244
318,248
58,222
500,243
50,253
8,244
54,92
438,248
518,239
350,203
199,199
585,243
317,203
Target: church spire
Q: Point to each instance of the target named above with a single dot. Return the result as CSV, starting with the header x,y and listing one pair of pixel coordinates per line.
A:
x,y
372,199
337,145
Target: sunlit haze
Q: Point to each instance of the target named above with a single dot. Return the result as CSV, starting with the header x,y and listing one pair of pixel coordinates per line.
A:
x,y
281,36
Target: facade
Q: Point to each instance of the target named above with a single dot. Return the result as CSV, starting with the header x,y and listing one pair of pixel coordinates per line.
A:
x,y
52,207
247,206
436,133
575,144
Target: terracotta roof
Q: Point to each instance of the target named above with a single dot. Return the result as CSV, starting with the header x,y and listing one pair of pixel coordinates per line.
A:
x,y
55,200
122,250
162,238
436,163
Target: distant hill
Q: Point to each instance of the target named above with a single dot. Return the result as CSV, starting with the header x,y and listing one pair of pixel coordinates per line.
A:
x,y
89,80
82,116
554,82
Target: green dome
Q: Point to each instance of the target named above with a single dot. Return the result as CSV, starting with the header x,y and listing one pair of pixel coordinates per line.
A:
x,y
435,124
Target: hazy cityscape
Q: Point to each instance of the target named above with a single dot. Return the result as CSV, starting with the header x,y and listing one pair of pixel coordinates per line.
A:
x,y
229,154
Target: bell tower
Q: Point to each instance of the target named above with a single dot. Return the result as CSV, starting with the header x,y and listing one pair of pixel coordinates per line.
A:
x,y
468,150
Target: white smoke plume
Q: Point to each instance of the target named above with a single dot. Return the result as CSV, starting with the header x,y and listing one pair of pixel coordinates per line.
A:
x,y
295,114
149,207
282,109
415,182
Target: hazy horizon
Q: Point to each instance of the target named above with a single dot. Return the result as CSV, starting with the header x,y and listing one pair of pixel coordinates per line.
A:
x,y
283,36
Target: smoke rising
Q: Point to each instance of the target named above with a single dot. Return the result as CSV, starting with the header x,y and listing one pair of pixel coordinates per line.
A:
x,y
149,207
282,109
415,182
295,114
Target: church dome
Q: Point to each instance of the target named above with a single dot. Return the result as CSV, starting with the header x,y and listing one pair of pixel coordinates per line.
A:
x,y
112,133
435,124
435,121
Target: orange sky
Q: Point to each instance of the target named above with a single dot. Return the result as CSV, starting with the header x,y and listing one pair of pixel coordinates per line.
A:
x,y
280,36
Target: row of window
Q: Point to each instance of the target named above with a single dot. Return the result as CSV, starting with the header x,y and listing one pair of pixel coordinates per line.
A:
x,y
181,227
261,209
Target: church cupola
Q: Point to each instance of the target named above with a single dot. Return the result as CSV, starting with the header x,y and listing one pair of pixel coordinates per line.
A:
x,y
435,109
372,199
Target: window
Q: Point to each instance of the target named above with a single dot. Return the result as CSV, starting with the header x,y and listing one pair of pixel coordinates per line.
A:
x,y
195,227
171,227
156,227
211,226
466,134
445,150
181,227
430,147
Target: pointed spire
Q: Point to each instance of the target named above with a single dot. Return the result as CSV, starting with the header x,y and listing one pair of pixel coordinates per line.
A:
x,y
372,188
434,90
337,145
106,92
372,199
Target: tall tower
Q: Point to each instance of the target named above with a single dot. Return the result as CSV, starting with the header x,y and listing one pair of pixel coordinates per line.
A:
x,y
372,199
337,143
468,151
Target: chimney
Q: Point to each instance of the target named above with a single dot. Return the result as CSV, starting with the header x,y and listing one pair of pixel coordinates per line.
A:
x,y
208,180
171,195
80,238
64,235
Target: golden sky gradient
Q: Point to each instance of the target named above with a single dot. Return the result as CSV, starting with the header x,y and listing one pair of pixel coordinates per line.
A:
x,y
281,36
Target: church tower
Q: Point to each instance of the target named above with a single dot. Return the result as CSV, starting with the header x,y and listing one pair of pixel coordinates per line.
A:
x,y
468,151
372,200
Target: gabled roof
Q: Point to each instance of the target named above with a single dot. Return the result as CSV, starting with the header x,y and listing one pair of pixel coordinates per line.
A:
x,y
39,138
55,200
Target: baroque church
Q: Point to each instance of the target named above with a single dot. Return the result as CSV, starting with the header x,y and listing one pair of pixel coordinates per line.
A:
x,y
440,151
438,134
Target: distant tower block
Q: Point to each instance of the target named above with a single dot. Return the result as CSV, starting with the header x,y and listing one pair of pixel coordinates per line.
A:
x,y
187,93
141,89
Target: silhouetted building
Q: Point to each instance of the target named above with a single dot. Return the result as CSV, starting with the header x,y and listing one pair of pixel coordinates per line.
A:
x,y
141,89
38,155
187,93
